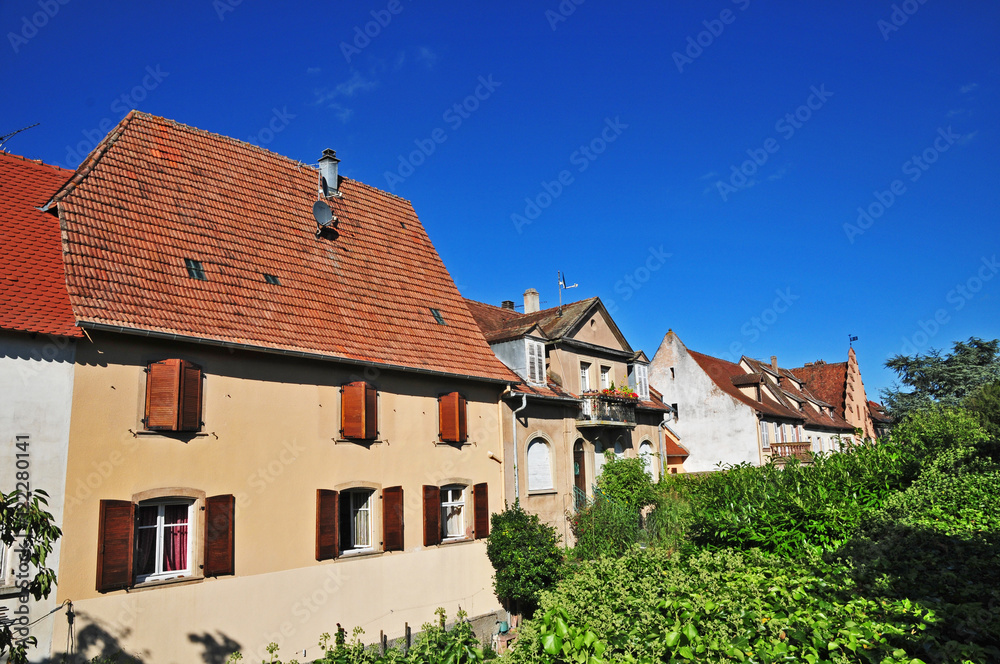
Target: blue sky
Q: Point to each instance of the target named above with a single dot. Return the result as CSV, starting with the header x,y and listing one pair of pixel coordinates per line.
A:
x,y
699,166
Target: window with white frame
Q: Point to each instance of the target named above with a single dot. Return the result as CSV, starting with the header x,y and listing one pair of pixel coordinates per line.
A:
x,y
163,539
646,454
642,381
536,361
605,378
584,377
765,434
539,465
8,554
355,520
453,511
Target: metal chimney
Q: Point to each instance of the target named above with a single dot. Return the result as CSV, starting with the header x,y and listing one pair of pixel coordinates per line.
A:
x,y
328,172
507,304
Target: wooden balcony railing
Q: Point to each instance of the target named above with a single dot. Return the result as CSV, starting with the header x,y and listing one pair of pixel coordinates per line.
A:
x,y
801,451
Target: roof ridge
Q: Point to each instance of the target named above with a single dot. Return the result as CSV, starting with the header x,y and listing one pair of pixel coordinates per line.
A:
x,y
37,162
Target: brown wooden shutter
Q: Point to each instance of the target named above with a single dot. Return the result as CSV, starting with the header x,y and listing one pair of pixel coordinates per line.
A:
x,y
481,509
190,397
220,513
327,546
392,518
359,411
162,389
452,418
115,542
432,515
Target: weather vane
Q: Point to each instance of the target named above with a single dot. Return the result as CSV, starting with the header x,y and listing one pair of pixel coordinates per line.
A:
x,y
851,339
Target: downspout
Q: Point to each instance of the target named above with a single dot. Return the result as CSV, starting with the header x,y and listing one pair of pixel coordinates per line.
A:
x,y
513,430
663,445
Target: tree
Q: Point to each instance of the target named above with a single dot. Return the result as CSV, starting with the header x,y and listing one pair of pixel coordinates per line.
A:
x,y
946,380
24,522
525,555
986,405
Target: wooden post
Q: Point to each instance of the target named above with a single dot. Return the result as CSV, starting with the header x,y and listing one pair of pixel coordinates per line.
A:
x,y
408,638
382,641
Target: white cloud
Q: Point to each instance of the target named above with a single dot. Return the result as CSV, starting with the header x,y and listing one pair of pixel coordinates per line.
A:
x,y
427,57
312,71
967,138
965,89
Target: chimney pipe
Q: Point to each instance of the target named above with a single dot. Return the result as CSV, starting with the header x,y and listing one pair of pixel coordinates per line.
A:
x,y
531,302
774,362
328,171
507,304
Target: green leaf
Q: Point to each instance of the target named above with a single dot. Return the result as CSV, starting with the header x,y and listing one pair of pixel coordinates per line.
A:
x,y
552,643
685,652
672,639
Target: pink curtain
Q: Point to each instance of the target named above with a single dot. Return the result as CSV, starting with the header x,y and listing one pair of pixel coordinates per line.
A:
x,y
175,537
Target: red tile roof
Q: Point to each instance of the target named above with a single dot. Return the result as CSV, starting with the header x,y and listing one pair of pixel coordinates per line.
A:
x,y
878,413
33,295
721,372
675,449
828,382
157,192
499,324
791,394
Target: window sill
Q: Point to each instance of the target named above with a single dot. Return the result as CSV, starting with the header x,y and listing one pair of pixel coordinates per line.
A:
x,y
171,434
542,492
11,590
360,553
445,443
359,441
457,540
179,581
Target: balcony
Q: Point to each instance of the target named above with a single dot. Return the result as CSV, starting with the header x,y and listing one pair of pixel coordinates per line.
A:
x,y
602,410
800,451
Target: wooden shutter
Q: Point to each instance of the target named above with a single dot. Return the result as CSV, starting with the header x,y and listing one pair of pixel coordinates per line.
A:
x,y
220,512
327,506
162,390
481,509
115,542
432,515
392,518
190,397
359,411
452,418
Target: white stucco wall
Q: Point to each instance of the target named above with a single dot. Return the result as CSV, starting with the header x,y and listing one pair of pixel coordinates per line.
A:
x,y
36,390
714,427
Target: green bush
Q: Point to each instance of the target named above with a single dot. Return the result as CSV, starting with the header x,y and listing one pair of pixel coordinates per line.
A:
x,y
525,555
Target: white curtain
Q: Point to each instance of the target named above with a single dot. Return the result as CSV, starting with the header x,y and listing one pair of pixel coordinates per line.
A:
x,y
539,466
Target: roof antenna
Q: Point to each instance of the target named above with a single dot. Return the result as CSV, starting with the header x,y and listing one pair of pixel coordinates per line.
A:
x,y
562,287
851,340
3,139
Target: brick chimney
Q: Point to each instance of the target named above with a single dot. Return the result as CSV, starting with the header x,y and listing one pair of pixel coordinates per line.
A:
x,y
774,362
507,304
531,302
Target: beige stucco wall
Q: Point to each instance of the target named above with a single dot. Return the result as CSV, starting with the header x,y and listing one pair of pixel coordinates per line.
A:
x,y
268,438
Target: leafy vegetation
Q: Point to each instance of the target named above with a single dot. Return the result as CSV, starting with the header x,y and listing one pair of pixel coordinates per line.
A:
x,y
526,556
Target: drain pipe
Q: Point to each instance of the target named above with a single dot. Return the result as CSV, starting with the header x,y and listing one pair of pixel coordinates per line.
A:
x,y
663,446
513,428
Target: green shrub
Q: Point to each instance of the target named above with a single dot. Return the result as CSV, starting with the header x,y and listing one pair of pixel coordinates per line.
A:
x,y
525,555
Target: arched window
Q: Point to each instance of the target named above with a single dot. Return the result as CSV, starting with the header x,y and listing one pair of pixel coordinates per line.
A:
x,y
539,465
646,454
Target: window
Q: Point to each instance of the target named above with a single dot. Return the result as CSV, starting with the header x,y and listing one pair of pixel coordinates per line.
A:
x,y
641,372
671,373
677,414
358,411
356,520
584,377
452,511
173,396
452,418
194,269
445,513
798,433
271,279
536,361
8,556
437,316
765,435
539,466
646,454
155,540
163,540
605,378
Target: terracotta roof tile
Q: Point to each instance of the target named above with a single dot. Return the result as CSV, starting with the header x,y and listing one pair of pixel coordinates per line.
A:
x,y
721,372
33,295
828,382
499,324
156,192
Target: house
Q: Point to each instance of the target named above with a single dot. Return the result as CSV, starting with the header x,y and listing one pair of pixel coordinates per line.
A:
x,y
284,416
583,390
840,384
729,413
38,339
881,420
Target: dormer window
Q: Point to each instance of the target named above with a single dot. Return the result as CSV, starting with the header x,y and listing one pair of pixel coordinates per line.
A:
x,y
536,361
639,380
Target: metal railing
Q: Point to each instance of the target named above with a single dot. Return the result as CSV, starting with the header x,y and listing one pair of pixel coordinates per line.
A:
x,y
601,409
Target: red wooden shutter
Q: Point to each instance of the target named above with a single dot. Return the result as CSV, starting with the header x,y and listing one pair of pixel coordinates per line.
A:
x,y
452,418
432,515
359,411
190,397
162,389
115,533
220,512
392,518
327,546
481,509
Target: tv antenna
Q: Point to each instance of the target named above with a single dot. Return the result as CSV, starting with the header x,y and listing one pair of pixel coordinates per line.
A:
x,y
3,139
562,287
